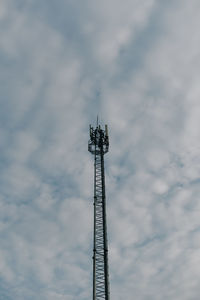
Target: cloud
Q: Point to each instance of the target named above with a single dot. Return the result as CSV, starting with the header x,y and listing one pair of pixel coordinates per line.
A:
x,y
136,65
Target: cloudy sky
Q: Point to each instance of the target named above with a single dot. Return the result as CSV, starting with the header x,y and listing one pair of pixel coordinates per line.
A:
x,y
136,63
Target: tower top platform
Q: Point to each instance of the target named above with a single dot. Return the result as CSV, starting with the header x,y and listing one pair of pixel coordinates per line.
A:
x,y
99,140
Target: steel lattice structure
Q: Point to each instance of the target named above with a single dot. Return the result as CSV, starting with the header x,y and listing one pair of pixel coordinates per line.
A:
x,y
98,145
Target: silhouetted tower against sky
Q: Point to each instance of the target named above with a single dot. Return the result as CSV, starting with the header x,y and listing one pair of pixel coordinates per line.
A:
x,y
98,145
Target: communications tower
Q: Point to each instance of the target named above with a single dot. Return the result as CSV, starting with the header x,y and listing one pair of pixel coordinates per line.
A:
x,y
98,145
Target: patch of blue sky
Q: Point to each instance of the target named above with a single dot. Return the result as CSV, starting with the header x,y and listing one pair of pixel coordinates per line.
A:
x,y
132,56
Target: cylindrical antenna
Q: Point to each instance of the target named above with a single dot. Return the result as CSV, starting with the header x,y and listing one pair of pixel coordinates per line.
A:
x,y
106,129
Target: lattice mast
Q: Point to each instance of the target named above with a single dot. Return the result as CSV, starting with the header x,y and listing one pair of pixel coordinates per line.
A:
x,y
98,145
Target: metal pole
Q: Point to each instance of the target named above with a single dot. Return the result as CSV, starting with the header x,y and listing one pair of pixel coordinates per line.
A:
x,y
98,145
94,238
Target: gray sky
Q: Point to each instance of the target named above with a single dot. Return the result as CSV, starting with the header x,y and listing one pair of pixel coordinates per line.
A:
x,y
135,63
